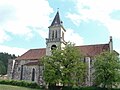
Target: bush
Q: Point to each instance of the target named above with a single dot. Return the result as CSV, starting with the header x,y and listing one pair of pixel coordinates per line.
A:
x,y
20,83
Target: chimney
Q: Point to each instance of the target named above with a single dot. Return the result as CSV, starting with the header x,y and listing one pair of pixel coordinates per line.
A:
x,y
111,44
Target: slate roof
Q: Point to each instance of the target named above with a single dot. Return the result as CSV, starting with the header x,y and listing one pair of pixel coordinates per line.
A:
x,y
87,50
56,20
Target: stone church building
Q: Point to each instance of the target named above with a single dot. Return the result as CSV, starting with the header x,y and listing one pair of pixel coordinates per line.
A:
x,y
26,67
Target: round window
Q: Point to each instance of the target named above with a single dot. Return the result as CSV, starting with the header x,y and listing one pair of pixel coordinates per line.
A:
x,y
53,47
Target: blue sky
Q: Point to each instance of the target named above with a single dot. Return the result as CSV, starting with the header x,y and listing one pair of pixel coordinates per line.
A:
x,y
24,23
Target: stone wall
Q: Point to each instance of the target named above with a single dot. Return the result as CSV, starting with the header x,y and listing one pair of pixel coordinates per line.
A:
x,y
9,70
15,72
27,73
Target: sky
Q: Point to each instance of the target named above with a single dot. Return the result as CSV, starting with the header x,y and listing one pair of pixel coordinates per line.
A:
x,y
24,23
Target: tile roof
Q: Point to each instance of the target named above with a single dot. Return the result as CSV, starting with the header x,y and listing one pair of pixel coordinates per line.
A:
x,y
87,50
32,54
92,50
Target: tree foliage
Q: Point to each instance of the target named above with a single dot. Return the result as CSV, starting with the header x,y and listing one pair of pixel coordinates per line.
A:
x,y
4,62
64,66
107,69
2,68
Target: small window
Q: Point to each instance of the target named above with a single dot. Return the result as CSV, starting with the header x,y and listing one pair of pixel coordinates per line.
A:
x,y
90,61
33,74
84,60
21,74
18,68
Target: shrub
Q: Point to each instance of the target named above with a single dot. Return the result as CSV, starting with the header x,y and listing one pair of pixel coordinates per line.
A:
x,y
77,88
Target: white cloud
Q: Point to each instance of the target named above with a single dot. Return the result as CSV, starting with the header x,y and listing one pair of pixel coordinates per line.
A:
x,y
3,36
21,17
43,32
18,15
74,37
12,50
97,10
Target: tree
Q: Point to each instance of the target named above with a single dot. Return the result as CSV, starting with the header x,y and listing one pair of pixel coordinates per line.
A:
x,y
52,73
2,68
107,69
64,66
73,68
4,62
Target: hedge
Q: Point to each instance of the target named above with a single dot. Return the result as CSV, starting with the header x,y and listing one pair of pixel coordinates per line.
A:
x,y
77,88
20,83
35,85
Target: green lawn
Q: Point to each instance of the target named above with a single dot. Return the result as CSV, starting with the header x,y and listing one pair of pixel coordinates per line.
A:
x,y
10,87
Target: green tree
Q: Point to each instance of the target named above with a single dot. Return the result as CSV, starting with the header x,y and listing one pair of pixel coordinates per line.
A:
x,y
52,73
4,62
107,69
64,66
2,68
73,68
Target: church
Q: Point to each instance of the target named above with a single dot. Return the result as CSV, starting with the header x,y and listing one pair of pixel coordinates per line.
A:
x,y
26,67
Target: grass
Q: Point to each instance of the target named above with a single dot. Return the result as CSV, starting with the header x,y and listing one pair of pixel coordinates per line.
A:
x,y
10,87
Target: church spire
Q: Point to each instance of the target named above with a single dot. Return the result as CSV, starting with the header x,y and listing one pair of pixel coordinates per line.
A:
x,y
56,21
56,35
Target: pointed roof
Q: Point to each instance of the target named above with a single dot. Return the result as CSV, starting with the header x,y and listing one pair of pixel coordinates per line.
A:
x,y
56,20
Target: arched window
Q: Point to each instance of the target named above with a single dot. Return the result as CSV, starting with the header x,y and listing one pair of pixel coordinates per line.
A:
x,y
21,74
56,34
52,34
33,74
53,47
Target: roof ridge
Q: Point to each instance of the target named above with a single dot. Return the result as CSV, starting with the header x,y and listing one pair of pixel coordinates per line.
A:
x,y
91,45
36,49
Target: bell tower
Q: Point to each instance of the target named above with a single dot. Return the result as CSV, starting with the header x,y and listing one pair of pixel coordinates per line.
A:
x,y
56,35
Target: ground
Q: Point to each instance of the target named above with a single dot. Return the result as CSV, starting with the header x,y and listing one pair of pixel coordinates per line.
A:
x,y
10,87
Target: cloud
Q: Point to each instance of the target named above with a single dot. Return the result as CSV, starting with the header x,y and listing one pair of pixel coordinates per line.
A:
x,y
18,15
25,18
3,36
12,50
21,17
97,10
43,32
74,37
